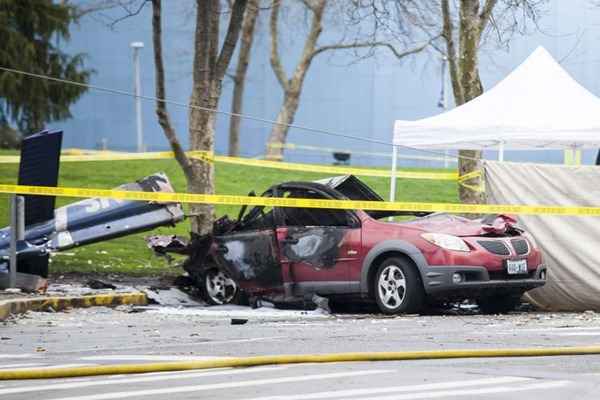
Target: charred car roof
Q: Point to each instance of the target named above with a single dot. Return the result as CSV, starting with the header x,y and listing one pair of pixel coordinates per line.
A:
x,y
343,187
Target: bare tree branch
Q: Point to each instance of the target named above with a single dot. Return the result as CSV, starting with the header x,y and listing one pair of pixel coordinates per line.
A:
x,y
399,54
451,52
129,13
316,27
486,14
469,36
307,4
161,107
275,57
239,79
206,51
231,38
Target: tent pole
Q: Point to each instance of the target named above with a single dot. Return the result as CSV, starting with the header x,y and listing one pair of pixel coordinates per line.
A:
x,y
501,151
393,176
567,156
576,155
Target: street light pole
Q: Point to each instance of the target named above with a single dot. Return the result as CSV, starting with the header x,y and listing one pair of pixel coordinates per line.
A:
x,y
443,102
136,46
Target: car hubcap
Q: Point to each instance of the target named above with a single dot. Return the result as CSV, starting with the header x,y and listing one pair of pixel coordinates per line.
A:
x,y
392,286
220,287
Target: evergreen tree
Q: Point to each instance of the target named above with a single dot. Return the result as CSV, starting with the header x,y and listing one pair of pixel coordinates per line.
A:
x,y
31,33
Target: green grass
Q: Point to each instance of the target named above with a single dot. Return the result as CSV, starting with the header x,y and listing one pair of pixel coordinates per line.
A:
x,y
130,256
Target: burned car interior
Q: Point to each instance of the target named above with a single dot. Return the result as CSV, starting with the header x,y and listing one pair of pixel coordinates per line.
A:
x,y
346,187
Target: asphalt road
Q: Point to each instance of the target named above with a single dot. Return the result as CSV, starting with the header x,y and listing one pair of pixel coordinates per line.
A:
x,y
104,336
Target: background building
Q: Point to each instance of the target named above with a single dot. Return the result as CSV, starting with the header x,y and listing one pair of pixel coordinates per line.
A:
x,y
361,99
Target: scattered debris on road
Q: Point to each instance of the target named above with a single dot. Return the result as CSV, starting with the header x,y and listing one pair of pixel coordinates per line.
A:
x,y
98,284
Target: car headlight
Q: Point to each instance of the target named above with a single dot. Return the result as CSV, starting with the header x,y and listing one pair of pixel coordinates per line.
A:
x,y
447,242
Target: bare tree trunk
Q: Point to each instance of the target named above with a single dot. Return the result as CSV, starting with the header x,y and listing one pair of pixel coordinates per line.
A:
x,y
201,127
239,80
279,132
209,69
292,87
161,108
464,73
204,94
470,33
448,34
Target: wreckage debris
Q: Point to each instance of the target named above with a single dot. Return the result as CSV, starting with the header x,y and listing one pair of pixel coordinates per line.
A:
x,y
162,244
86,222
98,284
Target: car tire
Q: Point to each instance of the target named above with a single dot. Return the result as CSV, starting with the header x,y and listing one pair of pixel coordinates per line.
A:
x,y
397,287
218,288
498,304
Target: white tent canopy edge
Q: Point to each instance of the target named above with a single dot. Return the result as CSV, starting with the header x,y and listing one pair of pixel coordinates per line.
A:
x,y
537,106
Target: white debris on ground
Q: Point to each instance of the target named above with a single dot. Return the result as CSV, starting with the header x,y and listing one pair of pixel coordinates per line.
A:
x,y
172,297
176,304
83,290
242,312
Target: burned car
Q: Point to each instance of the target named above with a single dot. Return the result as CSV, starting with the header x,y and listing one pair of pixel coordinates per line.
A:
x,y
288,254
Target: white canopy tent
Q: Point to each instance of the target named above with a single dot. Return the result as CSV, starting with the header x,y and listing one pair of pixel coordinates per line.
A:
x,y
538,106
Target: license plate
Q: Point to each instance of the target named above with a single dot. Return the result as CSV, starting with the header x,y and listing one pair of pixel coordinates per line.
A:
x,y
517,267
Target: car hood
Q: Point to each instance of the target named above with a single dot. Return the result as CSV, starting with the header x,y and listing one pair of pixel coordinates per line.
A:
x,y
491,225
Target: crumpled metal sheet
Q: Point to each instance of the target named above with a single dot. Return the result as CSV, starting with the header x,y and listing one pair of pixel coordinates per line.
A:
x,y
91,221
459,226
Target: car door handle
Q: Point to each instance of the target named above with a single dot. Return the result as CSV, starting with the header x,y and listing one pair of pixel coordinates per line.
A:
x,y
290,240
222,248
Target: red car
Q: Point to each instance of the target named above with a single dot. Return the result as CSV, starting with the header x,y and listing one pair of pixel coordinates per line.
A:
x,y
290,254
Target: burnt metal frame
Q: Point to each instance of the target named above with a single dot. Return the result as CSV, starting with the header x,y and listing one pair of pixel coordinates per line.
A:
x,y
326,192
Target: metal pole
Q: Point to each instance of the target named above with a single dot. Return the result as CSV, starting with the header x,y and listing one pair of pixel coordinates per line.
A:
x,y
443,103
17,233
393,176
136,46
576,155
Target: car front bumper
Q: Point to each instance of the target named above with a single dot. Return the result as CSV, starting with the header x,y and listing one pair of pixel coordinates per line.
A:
x,y
437,281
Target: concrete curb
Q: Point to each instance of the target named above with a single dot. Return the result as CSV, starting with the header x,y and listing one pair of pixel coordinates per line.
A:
x,y
59,303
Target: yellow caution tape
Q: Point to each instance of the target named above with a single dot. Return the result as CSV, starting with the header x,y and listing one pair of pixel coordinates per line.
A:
x,y
303,203
330,150
114,156
479,187
333,169
210,157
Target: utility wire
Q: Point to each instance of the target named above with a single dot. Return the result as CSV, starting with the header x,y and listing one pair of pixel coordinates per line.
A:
x,y
245,116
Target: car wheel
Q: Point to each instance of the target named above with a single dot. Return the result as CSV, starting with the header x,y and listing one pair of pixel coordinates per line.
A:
x,y
219,288
498,304
397,287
